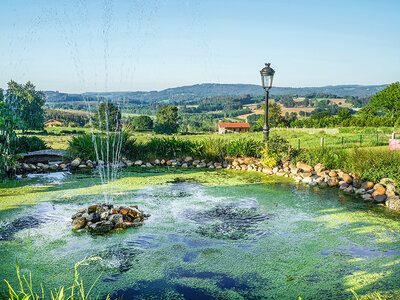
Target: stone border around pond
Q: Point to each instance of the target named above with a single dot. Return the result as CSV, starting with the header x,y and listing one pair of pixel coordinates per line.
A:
x,y
383,192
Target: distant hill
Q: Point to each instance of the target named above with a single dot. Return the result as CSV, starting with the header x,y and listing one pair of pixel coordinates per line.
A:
x,y
186,93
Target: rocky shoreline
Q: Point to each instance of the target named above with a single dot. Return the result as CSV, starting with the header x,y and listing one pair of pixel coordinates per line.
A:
x,y
384,192
105,218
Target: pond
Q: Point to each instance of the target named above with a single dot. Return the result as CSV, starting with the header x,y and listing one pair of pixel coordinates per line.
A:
x,y
212,235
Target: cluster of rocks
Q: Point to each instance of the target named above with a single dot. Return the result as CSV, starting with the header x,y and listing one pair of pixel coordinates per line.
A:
x,y
380,192
186,162
383,192
103,218
77,163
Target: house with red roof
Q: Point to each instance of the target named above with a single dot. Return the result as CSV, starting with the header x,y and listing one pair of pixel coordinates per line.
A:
x,y
233,127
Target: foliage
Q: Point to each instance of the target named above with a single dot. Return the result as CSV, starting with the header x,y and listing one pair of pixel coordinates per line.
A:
x,y
107,117
25,144
388,100
167,147
8,124
142,123
329,157
276,150
109,147
375,165
167,120
27,104
75,292
244,147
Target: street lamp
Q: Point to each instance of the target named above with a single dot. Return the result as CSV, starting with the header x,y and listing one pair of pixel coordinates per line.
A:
x,y
267,75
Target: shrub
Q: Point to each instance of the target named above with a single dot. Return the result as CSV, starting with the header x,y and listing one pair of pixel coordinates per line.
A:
x,y
27,144
244,147
276,150
84,146
331,158
212,148
375,165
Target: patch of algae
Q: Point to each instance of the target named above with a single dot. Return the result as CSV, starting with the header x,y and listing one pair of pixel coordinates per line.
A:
x,y
27,192
307,246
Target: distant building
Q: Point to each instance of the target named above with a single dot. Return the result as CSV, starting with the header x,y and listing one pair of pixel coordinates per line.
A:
x,y
53,123
233,127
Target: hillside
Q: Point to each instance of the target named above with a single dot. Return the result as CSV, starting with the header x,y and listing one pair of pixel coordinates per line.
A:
x,y
186,93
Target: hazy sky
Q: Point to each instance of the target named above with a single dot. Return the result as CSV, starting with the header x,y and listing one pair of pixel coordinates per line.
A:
x,y
114,45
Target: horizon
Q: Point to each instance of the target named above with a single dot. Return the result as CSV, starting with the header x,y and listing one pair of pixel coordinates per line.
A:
x,y
206,83
118,45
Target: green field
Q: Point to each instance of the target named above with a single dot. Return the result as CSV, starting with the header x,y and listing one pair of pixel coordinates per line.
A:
x,y
305,137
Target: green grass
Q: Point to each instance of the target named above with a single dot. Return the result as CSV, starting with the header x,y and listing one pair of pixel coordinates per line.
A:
x,y
308,137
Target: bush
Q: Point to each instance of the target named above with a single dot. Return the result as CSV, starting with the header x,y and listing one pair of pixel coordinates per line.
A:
x,y
331,158
276,150
244,147
25,144
375,165
84,146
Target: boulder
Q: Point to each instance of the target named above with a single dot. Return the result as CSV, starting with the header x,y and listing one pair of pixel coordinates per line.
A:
x,y
393,203
188,159
185,165
319,168
349,189
162,162
138,163
294,170
390,190
93,217
76,162
101,227
360,191
347,178
333,173
379,190
386,181
306,174
368,185
78,223
63,166
149,165
334,181
367,197
201,165
157,161
308,179
304,167
357,182
82,166
343,186
267,171
380,198
93,208
322,183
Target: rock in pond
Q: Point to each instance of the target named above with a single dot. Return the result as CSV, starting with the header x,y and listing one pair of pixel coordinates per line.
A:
x,y
104,218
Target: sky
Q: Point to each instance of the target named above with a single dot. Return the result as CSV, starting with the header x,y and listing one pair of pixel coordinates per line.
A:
x,y
129,45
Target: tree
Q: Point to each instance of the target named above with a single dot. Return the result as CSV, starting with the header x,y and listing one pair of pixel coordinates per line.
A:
x,y
107,117
388,100
344,114
167,120
274,114
142,123
27,104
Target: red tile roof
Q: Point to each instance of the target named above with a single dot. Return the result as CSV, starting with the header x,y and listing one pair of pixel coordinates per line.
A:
x,y
234,125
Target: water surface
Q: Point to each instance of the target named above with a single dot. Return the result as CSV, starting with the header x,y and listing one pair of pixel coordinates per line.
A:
x,y
212,235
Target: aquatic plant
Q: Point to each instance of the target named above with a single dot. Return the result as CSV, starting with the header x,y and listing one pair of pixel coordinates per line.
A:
x,y
75,292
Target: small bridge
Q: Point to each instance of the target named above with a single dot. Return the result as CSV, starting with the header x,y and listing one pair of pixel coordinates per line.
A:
x,y
43,156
